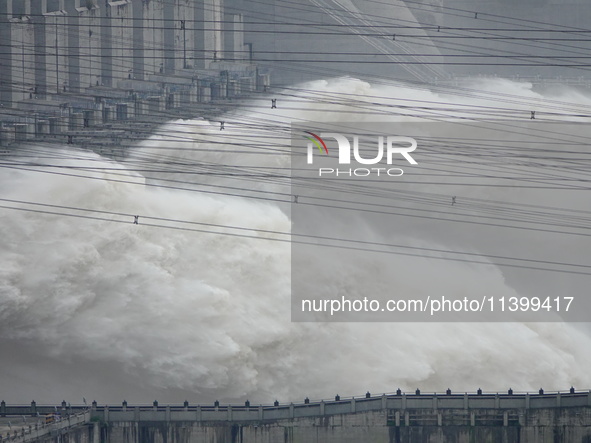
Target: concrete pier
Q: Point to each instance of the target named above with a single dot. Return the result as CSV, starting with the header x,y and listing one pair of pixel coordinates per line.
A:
x,y
87,64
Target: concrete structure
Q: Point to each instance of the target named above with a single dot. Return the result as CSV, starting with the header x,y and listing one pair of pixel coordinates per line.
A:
x,y
396,418
70,426
316,39
84,65
54,47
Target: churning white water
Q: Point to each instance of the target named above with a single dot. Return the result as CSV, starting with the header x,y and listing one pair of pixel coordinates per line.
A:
x,y
93,305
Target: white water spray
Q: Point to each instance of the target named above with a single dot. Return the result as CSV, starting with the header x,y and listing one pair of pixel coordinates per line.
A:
x,y
108,309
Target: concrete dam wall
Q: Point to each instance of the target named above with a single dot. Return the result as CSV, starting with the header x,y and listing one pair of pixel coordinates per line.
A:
x,y
541,426
400,418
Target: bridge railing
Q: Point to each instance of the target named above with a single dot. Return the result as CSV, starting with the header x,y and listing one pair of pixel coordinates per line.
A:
x,y
33,432
398,401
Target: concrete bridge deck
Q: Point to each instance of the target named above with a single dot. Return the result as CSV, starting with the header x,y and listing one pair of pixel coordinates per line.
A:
x,y
247,412
17,431
551,417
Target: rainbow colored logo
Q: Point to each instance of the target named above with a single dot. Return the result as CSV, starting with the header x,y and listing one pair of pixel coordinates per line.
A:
x,y
317,141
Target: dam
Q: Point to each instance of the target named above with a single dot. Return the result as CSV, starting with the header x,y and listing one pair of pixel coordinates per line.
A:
x,y
555,417
102,74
